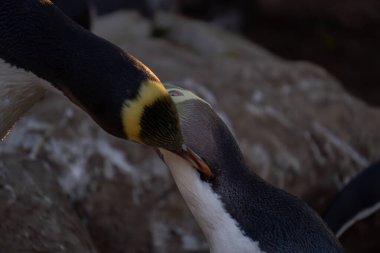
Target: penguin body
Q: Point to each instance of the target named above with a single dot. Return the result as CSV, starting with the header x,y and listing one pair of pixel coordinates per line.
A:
x,y
119,92
264,218
359,199
81,11
36,37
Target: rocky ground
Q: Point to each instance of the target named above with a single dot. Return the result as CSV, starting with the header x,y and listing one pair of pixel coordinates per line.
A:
x,y
297,128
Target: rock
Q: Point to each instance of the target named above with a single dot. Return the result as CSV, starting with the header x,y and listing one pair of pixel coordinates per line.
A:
x,y
120,190
341,36
297,127
302,123
35,215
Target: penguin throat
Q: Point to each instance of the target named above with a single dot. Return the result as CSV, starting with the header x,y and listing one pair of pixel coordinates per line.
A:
x,y
220,229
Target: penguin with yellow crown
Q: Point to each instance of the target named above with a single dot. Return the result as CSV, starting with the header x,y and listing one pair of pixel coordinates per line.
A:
x,y
40,47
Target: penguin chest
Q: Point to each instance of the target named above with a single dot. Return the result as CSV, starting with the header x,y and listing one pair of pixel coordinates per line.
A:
x,y
19,90
221,230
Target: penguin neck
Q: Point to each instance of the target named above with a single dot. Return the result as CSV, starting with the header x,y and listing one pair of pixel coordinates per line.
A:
x,y
37,37
19,90
222,232
240,212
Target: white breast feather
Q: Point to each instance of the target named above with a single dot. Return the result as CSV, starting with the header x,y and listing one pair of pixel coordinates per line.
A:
x,y
359,216
220,229
19,90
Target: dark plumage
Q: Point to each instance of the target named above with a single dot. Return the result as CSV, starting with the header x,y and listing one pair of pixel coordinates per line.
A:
x,y
357,200
276,220
81,11
96,75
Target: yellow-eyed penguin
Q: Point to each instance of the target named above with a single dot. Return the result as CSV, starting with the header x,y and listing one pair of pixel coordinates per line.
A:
x,y
41,47
81,11
236,209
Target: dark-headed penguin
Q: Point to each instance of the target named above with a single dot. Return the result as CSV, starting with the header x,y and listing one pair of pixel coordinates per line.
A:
x,y
40,47
81,11
236,209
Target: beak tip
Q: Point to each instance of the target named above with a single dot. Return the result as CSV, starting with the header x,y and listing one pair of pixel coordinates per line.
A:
x,y
196,160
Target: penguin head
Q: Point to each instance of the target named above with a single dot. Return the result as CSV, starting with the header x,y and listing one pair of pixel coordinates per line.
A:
x,y
205,134
118,91
151,118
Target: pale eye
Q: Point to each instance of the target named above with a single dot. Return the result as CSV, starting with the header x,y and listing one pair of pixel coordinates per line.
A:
x,y
175,93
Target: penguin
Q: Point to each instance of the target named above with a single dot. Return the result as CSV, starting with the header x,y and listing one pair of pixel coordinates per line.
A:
x,y
41,48
81,11
236,209
359,199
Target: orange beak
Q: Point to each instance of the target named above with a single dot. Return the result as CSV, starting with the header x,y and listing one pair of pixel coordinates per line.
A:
x,y
195,160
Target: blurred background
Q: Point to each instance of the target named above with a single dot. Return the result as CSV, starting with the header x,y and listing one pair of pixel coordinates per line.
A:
x,y
296,81
342,36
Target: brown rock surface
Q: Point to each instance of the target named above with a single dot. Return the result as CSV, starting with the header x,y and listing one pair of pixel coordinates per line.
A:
x,y
35,215
296,126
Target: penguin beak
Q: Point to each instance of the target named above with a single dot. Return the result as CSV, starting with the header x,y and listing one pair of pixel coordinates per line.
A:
x,y
189,155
